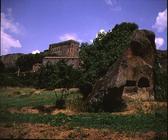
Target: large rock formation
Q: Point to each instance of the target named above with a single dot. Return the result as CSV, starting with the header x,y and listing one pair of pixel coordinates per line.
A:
x,y
133,68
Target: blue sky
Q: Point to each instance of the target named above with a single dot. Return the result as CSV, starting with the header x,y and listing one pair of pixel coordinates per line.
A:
x,y
30,25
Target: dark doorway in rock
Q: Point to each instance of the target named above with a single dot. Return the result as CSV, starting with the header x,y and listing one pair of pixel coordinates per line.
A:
x,y
130,83
137,49
113,100
143,82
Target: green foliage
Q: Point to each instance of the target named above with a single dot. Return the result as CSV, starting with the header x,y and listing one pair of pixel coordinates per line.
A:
x,y
25,79
85,89
96,59
75,102
59,75
106,48
25,62
60,100
8,79
2,66
25,98
141,122
161,80
126,123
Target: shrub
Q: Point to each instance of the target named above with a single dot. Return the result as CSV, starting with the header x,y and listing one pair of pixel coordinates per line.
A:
x,y
75,102
59,75
85,89
60,100
161,79
161,86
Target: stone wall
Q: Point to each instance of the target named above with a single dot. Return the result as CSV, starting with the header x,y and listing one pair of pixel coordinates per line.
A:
x,y
65,49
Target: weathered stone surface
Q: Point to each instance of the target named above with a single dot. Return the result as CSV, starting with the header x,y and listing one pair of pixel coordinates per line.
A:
x,y
67,51
69,48
9,60
133,68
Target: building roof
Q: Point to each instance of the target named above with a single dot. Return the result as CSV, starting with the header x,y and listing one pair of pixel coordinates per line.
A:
x,y
63,43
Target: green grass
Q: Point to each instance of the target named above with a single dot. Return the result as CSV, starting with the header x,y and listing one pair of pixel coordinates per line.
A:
x,y
20,97
131,123
33,100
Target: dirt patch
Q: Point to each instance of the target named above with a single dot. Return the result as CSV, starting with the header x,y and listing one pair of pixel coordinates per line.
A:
x,y
137,103
46,109
133,107
23,110
136,106
43,131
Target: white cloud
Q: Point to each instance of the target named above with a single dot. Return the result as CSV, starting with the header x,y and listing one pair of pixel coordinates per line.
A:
x,y
69,36
91,40
161,21
8,26
159,42
101,31
113,4
7,42
36,51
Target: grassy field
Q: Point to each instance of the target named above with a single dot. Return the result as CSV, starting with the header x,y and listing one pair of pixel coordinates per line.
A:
x,y
154,120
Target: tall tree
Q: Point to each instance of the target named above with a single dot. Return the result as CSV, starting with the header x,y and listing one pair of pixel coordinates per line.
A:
x,y
104,51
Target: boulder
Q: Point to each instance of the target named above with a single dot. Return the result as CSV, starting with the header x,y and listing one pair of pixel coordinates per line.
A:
x,y
133,68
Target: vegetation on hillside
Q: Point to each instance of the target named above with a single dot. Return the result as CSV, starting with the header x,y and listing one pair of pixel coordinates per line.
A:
x,y
59,75
161,79
95,58
104,51
25,62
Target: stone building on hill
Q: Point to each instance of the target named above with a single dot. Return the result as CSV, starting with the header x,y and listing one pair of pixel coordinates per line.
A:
x,y
67,51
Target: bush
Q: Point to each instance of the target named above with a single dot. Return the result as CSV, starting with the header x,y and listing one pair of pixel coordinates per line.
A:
x,y
25,62
59,75
75,102
161,86
161,79
85,89
9,79
60,100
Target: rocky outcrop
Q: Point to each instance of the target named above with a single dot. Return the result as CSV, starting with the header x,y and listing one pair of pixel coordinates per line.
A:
x,y
133,68
9,60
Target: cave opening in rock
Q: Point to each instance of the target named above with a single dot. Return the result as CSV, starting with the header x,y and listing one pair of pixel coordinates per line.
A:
x,y
137,49
130,83
143,82
113,100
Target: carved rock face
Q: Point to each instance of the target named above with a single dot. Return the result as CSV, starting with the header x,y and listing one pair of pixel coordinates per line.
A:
x,y
136,65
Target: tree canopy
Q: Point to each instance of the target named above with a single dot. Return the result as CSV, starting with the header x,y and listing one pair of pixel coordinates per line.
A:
x,y
59,75
25,62
104,51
